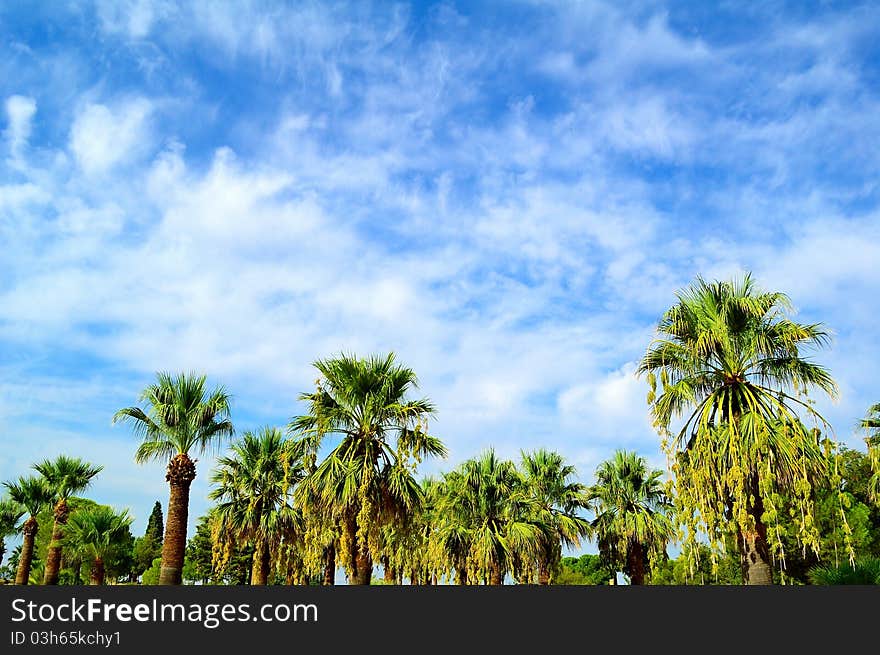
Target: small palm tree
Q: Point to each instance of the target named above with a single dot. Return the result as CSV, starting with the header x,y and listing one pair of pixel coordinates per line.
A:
x,y
33,495
10,514
862,572
489,502
181,417
97,530
65,476
632,522
558,500
366,481
252,486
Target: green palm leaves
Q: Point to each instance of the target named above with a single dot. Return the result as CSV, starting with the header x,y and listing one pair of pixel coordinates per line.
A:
x,y
96,530
633,520
733,368
182,417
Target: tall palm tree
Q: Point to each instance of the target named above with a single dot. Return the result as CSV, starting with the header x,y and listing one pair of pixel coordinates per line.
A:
x,y
97,530
10,514
366,479
732,364
252,487
33,495
488,501
633,515
558,500
65,476
181,416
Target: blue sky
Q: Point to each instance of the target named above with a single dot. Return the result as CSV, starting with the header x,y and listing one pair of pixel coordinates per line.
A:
x,y
505,194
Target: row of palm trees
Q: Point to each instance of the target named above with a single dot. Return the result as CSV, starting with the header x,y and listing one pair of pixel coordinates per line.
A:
x,y
92,531
729,375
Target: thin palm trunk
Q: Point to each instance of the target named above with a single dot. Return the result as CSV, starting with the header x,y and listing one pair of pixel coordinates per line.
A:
x,y
330,566
543,573
181,472
495,575
260,565
635,563
364,572
461,576
390,574
753,547
29,531
97,577
53,555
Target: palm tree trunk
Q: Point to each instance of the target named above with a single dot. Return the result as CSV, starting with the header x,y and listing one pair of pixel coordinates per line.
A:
x,y
390,575
461,577
2,550
181,473
753,547
330,566
97,577
260,565
364,567
53,555
29,530
635,564
495,575
543,573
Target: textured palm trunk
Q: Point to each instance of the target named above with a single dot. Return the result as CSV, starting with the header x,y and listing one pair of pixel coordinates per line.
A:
x,y
364,572
390,576
330,567
97,577
543,574
461,577
495,575
181,473
260,565
753,547
635,564
29,531
53,555
2,550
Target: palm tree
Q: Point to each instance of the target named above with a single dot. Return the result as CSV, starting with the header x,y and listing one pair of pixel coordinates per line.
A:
x,y
252,486
181,417
96,530
733,365
366,481
871,424
633,523
33,495
10,514
65,476
558,500
488,501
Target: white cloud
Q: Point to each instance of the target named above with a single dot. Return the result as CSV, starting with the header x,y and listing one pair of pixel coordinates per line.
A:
x,y
102,137
20,112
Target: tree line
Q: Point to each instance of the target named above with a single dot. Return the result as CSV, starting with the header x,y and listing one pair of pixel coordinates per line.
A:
x,y
756,489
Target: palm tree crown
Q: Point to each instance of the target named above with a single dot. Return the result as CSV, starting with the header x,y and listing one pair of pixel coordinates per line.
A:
x,y
181,417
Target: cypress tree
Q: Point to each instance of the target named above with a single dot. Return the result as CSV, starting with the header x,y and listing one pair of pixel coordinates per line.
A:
x,y
155,525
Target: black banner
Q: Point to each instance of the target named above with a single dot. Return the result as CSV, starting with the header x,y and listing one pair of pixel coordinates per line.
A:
x,y
408,619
